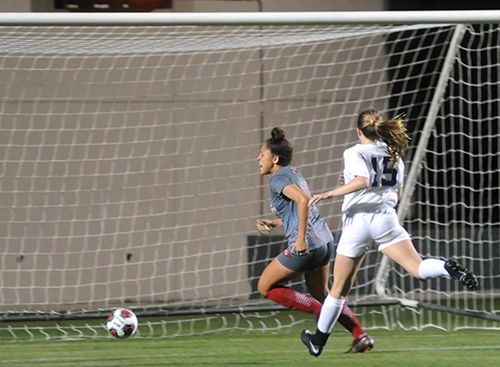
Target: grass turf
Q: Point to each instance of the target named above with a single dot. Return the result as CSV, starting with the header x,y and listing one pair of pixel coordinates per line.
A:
x,y
430,347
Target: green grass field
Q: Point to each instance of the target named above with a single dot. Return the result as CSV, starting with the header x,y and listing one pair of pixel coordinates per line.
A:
x,y
430,347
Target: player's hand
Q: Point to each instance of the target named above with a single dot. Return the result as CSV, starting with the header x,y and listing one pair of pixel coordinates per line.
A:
x,y
315,199
341,179
265,225
300,247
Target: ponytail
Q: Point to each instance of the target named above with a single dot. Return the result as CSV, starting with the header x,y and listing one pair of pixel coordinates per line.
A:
x,y
392,132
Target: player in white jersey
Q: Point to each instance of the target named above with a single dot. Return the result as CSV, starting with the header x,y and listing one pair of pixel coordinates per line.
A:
x,y
373,182
310,241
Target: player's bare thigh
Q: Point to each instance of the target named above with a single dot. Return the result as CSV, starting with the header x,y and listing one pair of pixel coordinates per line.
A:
x,y
275,273
405,254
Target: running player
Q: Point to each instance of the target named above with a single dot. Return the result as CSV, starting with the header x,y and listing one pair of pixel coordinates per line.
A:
x,y
373,174
310,241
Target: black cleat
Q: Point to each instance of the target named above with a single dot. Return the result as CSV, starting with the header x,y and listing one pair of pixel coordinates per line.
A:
x,y
314,350
362,344
463,275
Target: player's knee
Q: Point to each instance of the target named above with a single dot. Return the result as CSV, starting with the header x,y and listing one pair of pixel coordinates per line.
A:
x,y
262,288
340,289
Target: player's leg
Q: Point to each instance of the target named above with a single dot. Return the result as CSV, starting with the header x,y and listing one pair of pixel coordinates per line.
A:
x,y
317,284
344,273
405,254
397,245
350,254
269,286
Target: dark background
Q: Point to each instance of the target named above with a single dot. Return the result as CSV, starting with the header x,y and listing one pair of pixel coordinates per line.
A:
x,y
474,115
442,5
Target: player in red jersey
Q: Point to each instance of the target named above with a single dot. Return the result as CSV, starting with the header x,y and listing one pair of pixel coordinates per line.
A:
x,y
310,241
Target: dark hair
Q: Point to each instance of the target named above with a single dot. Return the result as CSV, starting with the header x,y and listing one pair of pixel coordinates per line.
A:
x,y
392,132
280,147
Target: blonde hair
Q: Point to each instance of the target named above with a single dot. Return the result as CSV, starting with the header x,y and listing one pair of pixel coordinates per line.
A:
x,y
392,131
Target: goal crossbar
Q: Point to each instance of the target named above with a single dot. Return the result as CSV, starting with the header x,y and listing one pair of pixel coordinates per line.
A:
x,y
250,18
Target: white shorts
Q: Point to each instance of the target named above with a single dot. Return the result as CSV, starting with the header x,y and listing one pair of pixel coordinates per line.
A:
x,y
363,229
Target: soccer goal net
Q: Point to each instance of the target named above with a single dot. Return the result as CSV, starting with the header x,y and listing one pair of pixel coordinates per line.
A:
x,y
129,174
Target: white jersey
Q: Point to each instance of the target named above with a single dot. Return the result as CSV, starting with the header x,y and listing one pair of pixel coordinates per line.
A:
x,y
386,178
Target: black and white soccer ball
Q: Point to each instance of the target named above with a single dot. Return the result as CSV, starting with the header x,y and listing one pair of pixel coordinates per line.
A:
x,y
122,323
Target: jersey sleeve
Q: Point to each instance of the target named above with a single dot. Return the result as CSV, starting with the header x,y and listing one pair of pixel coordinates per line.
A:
x,y
355,163
401,172
279,182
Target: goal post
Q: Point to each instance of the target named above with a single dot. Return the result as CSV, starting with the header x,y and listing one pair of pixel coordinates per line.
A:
x,y
416,166
129,171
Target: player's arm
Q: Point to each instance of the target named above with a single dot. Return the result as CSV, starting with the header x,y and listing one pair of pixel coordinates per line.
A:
x,y
301,198
356,184
267,225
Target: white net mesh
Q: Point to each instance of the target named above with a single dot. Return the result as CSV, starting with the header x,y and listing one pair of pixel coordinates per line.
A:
x,y
129,172
455,208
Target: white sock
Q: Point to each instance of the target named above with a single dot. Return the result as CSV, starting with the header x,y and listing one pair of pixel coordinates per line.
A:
x,y
330,312
432,268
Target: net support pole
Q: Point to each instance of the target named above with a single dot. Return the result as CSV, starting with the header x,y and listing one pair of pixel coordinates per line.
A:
x,y
416,166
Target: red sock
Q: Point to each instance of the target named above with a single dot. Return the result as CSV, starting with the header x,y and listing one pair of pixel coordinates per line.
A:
x,y
293,299
348,320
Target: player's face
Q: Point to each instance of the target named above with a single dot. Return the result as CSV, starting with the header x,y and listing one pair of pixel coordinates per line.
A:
x,y
266,160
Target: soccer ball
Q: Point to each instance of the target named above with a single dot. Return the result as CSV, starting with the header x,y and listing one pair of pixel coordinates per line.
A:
x,y
122,323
